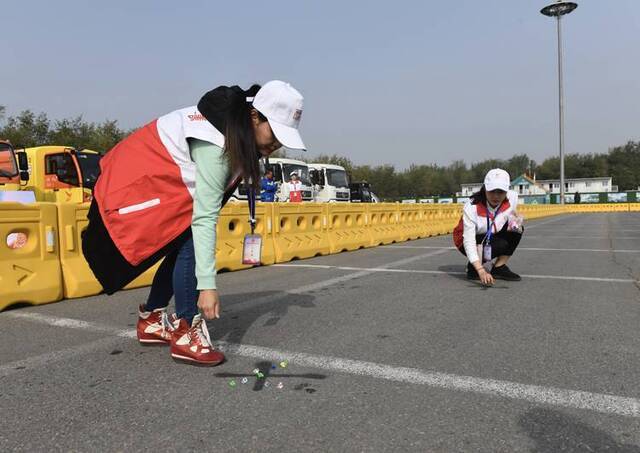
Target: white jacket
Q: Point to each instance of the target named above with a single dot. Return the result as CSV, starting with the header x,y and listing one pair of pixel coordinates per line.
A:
x,y
474,222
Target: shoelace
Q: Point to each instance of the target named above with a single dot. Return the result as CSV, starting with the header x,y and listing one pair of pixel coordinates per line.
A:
x,y
164,322
202,332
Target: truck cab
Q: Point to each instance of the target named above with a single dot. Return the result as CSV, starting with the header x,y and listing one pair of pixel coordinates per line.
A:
x,y
9,171
14,175
330,183
60,173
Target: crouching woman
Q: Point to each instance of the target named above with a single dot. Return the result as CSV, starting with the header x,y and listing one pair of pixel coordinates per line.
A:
x,y
490,229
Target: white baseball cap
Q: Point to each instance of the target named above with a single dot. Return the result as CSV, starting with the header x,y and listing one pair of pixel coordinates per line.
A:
x,y
497,179
282,105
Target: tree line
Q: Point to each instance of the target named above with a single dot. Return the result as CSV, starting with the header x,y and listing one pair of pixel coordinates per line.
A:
x,y
28,129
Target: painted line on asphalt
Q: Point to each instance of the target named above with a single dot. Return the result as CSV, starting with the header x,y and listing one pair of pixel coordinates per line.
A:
x,y
537,224
325,283
584,237
526,249
553,396
420,271
56,356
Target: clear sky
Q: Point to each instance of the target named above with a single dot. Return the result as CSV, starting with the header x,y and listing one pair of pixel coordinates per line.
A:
x,y
384,82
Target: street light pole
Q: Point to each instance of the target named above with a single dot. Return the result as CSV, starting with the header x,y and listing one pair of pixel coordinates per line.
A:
x,y
558,10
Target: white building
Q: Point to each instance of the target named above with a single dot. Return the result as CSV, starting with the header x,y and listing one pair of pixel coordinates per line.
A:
x,y
524,185
580,185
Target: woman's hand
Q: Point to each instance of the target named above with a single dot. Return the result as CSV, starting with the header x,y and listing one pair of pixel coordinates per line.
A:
x,y
209,303
485,277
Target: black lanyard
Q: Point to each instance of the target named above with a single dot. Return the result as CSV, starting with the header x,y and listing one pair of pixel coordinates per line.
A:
x,y
251,196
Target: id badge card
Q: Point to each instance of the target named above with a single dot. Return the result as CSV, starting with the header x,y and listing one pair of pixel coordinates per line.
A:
x,y
252,249
486,253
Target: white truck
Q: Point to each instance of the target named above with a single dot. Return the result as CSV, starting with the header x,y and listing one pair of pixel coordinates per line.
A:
x,y
330,183
282,169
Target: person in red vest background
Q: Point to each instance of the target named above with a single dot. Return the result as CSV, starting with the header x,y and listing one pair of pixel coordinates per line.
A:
x,y
490,229
295,188
159,195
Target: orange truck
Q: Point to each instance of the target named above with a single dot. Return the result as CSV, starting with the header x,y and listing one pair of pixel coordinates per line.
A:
x,y
11,173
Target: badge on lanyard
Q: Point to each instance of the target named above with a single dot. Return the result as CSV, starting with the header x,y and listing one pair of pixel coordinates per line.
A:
x,y
252,245
251,249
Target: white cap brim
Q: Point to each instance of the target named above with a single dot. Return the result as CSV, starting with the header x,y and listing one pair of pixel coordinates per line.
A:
x,y
289,137
491,186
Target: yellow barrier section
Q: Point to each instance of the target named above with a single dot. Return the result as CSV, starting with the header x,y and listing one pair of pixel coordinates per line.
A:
x,y
535,211
614,207
233,225
411,222
383,220
29,261
300,230
603,207
77,278
348,229
431,219
449,217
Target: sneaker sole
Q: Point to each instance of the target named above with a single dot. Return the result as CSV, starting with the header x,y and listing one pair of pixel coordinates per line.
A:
x,y
153,341
194,361
498,277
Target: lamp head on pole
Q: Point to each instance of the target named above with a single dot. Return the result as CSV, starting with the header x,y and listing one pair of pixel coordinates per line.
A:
x,y
558,9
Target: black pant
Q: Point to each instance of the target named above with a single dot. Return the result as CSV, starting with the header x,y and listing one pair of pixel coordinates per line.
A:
x,y
502,243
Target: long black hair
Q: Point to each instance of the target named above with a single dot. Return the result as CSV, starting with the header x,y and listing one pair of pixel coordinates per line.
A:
x,y
240,139
480,196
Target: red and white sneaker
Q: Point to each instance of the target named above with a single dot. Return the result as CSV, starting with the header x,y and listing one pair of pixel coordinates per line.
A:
x,y
154,326
192,343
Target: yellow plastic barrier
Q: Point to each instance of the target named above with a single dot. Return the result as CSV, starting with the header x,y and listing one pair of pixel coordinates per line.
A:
x,y
412,222
300,230
634,207
233,225
348,229
430,220
450,216
383,219
537,211
29,262
78,279
614,207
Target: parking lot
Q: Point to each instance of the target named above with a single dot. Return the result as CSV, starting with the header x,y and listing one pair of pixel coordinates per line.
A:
x,y
382,349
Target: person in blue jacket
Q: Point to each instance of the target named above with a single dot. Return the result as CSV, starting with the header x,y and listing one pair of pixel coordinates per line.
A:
x,y
269,187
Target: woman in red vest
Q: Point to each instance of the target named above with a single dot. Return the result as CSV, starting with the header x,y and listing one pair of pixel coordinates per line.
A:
x,y
490,229
159,195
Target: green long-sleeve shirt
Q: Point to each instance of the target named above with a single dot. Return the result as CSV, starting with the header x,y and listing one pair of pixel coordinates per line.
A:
x,y
212,175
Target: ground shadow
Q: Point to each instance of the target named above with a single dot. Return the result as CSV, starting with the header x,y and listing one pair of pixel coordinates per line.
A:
x,y
235,322
274,372
554,431
460,272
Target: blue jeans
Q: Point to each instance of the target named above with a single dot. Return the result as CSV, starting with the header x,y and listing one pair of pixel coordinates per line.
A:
x,y
176,276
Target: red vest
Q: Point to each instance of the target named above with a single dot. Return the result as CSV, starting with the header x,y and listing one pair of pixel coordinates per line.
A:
x,y
481,217
147,181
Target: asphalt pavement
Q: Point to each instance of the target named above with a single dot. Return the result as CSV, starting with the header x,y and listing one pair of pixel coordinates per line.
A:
x,y
382,349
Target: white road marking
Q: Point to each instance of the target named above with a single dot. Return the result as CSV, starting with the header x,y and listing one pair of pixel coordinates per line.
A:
x,y
57,356
325,283
526,249
549,236
420,271
537,224
575,399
